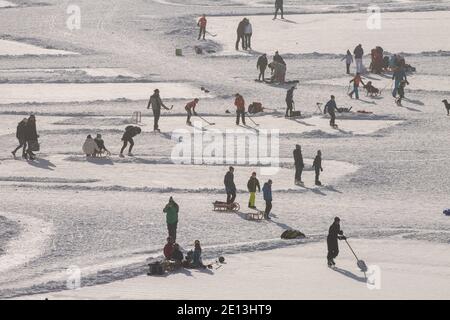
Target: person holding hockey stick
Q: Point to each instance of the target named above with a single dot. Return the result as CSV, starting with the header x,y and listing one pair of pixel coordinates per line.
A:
x,y
334,234
190,109
156,103
252,185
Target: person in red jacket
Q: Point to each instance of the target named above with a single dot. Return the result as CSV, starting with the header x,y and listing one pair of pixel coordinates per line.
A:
x,y
190,109
240,108
168,248
202,24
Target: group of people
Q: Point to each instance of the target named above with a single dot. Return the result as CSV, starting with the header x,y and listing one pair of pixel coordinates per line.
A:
x,y
26,134
300,165
95,147
244,33
277,67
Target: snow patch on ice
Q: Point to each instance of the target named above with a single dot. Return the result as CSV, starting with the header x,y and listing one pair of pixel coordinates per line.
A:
x,y
7,4
15,48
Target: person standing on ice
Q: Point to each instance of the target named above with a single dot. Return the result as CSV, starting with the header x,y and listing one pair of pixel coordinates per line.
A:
x,y
156,103
31,137
202,24
348,60
261,65
359,53
331,109
239,102
129,134
299,164
190,109
248,31
278,58
240,33
267,194
171,210
398,76
334,234
290,101
356,82
20,135
278,7
252,185
230,187
317,165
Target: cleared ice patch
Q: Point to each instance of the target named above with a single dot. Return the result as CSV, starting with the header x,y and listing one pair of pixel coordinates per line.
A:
x,y
15,48
82,92
7,4
300,34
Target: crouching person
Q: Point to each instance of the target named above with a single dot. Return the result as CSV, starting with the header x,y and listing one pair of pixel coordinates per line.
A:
x,y
194,258
90,148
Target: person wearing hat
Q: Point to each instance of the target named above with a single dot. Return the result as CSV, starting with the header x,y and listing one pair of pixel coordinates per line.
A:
x,y
90,148
156,103
331,109
171,210
20,135
267,194
334,234
101,145
129,134
31,137
252,185
261,65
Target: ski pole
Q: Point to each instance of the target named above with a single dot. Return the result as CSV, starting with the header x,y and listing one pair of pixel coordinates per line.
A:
x,y
209,123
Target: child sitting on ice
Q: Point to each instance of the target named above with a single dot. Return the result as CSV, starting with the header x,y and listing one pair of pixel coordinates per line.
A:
x,y
90,148
370,89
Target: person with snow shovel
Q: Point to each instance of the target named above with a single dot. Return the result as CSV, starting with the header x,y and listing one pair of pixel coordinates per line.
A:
x,y
334,234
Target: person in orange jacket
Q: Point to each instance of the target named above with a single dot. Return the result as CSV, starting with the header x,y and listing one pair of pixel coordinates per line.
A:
x,y
240,108
190,109
202,24
356,82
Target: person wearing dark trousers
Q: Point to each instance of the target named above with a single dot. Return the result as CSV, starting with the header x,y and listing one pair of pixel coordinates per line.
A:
x,y
156,103
20,135
267,194
334,234
290,101
239,102
248,32
317,165
278,7
130,133
171,210
240,34
31,137
230,187
261,65
299,164
447,106
202,24
331,109
190,109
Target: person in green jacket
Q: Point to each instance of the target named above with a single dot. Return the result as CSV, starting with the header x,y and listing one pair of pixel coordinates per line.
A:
x,y
252,184
171,210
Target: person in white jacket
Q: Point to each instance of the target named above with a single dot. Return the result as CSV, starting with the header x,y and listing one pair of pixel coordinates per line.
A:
x,y
90,147
348,60
248,35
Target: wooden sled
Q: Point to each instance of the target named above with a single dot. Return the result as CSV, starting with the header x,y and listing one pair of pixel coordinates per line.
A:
x,y
223,206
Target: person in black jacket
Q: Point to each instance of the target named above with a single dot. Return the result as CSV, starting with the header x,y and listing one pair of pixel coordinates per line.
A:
x,y
317,165
20,135
334,234
261,65
101,145
127,137
278,58
299,164
278,6
230,187
290,101
31,136
252,185
156,103
331,109
240,33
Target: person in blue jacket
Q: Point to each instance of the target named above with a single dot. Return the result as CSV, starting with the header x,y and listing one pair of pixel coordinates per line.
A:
x,y
267,193
398,76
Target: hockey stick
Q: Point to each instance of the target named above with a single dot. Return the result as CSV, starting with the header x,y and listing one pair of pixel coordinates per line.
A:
x,y
212,35
248,116
209,123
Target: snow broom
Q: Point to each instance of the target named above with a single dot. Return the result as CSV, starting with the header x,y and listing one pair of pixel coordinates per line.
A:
x,y
360,263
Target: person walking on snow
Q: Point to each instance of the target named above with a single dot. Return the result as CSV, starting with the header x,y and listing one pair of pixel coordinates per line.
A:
x,y
90,148
240,34
130,133
171,210
299,164
334,234
348,60
398,76
267,194
239,102
252,185
331,109
156,103
447,106
359,53
317,165
20,135
230,187
202,24
190,109
31,137
261,65
356,82
248,31
278,7
290,101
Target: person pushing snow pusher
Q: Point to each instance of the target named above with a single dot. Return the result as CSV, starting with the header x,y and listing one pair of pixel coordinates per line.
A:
x,y
299,164
190,109
334,234
130,133
156,103
252,185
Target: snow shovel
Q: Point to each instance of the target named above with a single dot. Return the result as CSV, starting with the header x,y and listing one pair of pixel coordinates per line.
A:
x,y
360,263
209,123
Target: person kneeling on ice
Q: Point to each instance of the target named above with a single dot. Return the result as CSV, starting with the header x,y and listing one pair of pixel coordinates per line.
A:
x,y
177,255
190,109
127,137
101,145
334,234
317,165
90,148
331,109
252,184
267,193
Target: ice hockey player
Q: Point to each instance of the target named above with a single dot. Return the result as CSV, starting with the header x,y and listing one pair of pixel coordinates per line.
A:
x,y
190,109
156,103
130,133
334,234
331,109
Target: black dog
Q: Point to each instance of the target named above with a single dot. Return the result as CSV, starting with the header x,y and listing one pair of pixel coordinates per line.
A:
x,y
447,106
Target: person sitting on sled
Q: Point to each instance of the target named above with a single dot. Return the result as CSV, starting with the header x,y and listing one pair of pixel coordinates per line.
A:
x,y
194,257
371,90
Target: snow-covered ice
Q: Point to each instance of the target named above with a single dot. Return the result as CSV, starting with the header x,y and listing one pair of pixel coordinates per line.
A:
x,y
7,4
16,48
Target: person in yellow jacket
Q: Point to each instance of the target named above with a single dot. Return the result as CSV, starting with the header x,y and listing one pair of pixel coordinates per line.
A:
x,y
252,185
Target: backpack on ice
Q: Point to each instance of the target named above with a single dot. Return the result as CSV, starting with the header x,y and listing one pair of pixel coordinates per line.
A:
x,y
447,212
292,234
